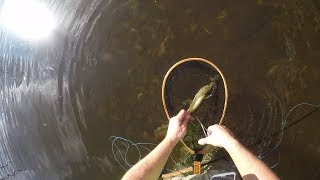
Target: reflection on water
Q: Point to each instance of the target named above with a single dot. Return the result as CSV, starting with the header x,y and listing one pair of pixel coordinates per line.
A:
x,y
100,74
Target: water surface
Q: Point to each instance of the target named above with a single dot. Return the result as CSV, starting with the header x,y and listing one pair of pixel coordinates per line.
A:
x,y
100,74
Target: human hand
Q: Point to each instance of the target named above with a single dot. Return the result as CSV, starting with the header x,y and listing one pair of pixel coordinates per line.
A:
x,y
177,128
217,136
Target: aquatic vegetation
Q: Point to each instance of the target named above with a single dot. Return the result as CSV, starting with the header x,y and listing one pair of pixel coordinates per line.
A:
x,y
194,133
199,111
195,130
160,132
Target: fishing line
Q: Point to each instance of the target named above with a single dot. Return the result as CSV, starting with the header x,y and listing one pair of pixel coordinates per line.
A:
x,y
272,115
122,157
205,130
266,153
282,130
8,170
285,126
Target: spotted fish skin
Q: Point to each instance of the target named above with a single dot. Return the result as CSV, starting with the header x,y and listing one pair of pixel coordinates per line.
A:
x,y
202,94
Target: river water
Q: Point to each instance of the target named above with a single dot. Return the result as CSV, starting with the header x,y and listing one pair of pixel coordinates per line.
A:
x,y
99,74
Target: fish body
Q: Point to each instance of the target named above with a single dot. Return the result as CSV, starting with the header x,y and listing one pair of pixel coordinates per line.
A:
x,y
202,94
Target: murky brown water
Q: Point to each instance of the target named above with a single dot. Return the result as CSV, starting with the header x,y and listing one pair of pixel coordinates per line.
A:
x,y
100,74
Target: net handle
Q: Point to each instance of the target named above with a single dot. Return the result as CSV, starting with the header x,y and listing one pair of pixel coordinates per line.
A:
x,y
199,60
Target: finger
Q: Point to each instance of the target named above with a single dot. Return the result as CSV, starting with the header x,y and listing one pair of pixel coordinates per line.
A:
x,y
186,120
181,115
192,118
202,141
188,116
209,132
210,128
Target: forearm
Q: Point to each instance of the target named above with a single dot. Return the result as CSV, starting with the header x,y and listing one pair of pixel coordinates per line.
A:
x,y
151,166
248,164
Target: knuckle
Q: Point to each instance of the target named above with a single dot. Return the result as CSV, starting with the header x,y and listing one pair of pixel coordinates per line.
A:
x,y
211,127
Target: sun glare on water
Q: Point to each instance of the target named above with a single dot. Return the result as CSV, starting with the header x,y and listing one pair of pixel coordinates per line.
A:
x,y
29,19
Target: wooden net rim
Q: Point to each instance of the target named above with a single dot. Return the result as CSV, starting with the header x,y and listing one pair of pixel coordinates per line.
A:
x,y
199,60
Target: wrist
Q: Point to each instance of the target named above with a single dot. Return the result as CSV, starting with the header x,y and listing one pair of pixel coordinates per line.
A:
x,y
230,144
170,141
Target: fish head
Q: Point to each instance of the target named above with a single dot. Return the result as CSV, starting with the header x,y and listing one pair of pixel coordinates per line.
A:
x,y
214,78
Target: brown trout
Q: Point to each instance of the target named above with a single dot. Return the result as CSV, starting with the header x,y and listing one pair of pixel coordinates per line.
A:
x,y
202,94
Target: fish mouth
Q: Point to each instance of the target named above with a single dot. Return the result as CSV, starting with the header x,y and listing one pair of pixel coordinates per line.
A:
x,y
211,94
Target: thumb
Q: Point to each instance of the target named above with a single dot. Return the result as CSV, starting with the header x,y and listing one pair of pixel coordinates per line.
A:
x,y
202,141
181,114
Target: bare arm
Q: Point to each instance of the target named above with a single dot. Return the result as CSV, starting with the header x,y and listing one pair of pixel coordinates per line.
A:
x,y
151,166
247,164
